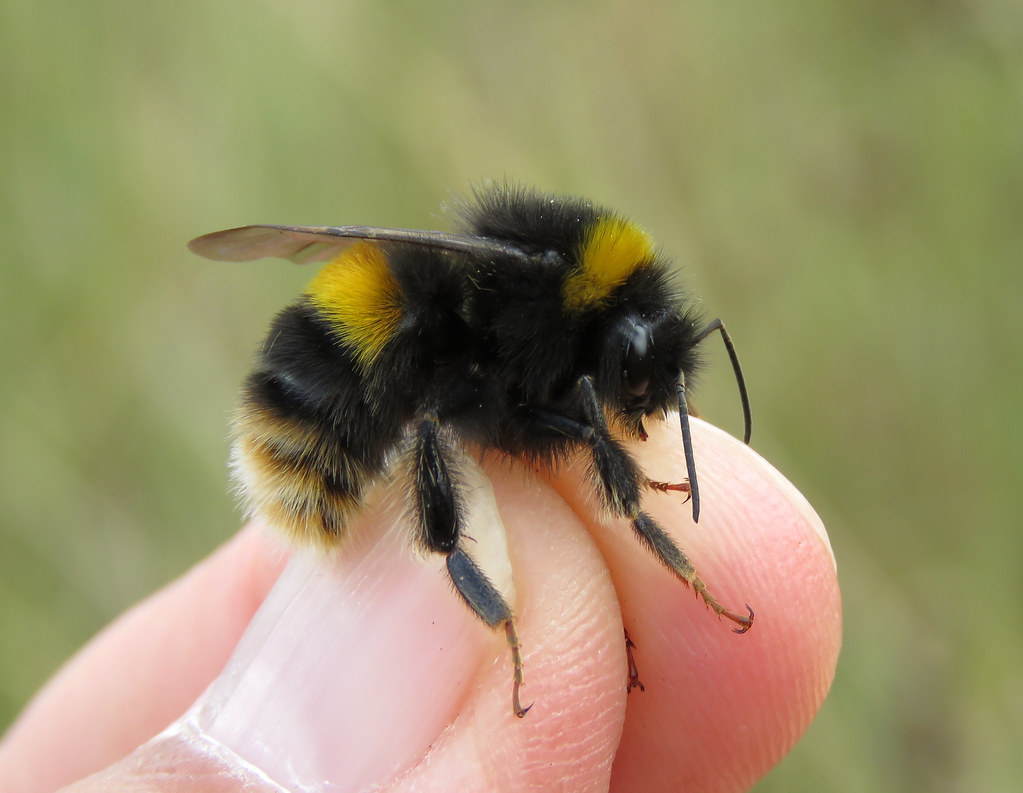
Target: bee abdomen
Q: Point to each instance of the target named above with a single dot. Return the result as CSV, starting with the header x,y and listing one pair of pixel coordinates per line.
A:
x,y
297,476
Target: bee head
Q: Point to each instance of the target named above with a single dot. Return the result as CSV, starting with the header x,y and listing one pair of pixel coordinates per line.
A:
x,y
644,335
643,357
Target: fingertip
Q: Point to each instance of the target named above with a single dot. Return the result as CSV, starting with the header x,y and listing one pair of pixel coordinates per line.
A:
x,y
763,543
721,709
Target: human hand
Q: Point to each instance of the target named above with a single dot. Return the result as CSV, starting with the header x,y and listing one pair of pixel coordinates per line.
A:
x,y
365,668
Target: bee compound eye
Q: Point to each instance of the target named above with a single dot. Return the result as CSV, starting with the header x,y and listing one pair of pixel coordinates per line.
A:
x,y
639,362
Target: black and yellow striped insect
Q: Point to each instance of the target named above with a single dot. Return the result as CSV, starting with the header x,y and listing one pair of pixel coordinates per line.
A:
x,y
545,325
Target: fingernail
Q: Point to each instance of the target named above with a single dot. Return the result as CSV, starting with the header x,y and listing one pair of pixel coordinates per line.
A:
x,y
353,666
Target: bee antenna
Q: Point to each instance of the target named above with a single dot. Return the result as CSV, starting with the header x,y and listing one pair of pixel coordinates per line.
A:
x,y
747,416
687,446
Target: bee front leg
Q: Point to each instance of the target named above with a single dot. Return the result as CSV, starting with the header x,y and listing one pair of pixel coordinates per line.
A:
x,y
620,480
440,511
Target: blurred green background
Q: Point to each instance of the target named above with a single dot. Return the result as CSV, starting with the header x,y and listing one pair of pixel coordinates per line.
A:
x,y
843,182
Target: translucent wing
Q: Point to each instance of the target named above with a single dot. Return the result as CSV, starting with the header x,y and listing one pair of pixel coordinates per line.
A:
x,y
304,244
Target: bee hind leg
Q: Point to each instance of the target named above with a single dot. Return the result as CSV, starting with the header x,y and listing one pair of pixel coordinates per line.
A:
x,y
440,511
491,607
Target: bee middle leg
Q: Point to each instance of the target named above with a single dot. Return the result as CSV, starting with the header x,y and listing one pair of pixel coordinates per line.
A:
x,y
620,482
668,487
439,511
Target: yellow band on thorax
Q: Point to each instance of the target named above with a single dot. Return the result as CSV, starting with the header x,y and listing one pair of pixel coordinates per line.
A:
x,y
612,251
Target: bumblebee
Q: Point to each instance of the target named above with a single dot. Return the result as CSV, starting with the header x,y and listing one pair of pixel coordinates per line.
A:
x,y
545,325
